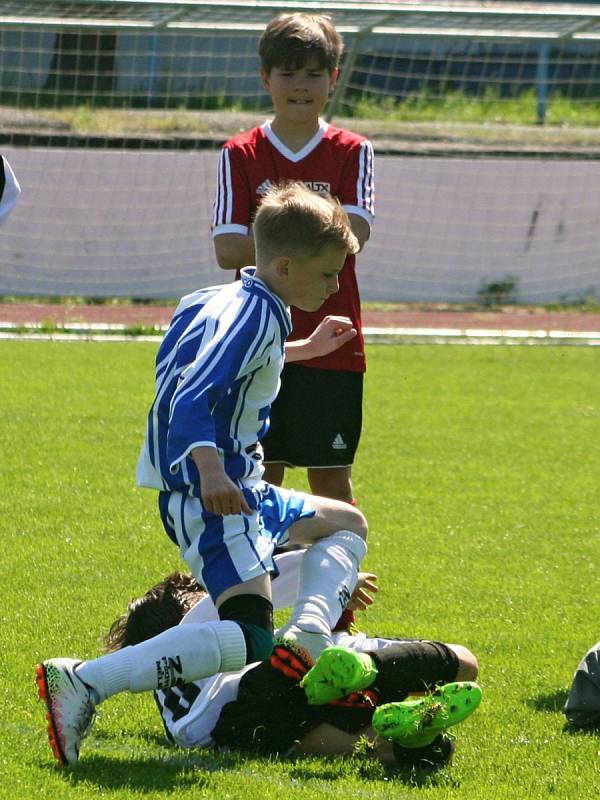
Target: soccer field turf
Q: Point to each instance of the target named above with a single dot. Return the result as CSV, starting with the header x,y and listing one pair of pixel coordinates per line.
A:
x,y
479,473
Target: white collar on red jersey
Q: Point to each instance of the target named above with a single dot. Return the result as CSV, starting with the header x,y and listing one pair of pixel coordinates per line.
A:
x,y
285,151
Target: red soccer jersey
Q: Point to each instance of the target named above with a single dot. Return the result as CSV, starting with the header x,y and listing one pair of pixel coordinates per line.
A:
x,y
334,161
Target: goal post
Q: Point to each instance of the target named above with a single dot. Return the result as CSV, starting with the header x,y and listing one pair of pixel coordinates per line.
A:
x,y
111,112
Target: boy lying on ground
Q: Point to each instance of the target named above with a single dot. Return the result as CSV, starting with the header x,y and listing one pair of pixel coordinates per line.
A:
x,y
282,706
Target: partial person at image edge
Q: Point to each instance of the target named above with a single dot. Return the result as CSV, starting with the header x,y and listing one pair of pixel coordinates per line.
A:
x,y
10,190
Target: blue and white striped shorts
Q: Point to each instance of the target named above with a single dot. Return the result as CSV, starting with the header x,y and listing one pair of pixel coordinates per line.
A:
x,y
224,551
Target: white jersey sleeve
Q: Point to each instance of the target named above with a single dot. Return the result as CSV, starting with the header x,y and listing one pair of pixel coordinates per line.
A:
x,y
190,712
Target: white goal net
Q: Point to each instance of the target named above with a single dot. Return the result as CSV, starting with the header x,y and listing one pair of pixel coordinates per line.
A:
x,y
111,114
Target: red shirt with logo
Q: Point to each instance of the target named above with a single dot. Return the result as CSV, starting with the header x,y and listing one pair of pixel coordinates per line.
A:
x,y
334,161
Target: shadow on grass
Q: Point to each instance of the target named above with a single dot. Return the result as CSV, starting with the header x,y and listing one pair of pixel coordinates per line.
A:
x,y
550,702
177,769
367,770
554,702
575,730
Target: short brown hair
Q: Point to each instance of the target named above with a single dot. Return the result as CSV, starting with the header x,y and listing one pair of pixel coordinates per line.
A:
x,y
291,40
294,221
162,607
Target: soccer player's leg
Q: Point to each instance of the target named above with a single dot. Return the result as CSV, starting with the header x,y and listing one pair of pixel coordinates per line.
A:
x,y
337,673
336,534
270,713
417,722
331,447
417,726
334,482
71,689
304,432
231,556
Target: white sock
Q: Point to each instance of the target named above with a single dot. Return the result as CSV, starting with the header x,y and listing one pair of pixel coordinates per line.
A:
x,y
185,652
327,579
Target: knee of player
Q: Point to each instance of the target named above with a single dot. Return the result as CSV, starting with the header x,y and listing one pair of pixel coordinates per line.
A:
x,y
468,666
254,615
355,521
362,526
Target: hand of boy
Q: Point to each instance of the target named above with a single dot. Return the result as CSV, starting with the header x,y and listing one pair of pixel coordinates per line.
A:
x,y
360,597
220,495
329,335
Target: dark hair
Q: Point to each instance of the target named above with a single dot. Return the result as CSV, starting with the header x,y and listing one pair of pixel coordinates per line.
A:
x,y
291,40
294,221
162,607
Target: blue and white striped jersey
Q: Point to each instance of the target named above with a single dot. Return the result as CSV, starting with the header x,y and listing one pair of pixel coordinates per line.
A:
x,y
217,373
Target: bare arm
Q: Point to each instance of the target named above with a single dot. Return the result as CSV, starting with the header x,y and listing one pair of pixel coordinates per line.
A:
x,y
220,495
234,250
360,228
329,335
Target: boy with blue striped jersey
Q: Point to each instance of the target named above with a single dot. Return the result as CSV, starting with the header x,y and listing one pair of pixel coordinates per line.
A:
x,y
217,370
217,373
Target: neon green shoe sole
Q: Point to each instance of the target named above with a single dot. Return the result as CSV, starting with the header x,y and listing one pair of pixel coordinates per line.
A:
x,y
337,673
416,723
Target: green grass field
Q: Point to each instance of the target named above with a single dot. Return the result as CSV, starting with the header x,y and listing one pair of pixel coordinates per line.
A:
x,y
478,471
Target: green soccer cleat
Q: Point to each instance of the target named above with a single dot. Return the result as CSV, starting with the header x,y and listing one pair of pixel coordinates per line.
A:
x,y
417,723
338,672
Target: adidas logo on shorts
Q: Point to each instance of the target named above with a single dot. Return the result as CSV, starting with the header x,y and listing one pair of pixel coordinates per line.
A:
x,y
339,443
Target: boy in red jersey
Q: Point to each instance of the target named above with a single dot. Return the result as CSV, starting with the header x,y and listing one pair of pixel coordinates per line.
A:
x,y
317,416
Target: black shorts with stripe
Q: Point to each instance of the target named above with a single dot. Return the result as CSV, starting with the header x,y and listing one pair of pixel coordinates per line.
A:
x,y
316,418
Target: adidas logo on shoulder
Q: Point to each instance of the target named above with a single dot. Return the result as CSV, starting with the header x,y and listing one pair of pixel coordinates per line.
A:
x,y
339,443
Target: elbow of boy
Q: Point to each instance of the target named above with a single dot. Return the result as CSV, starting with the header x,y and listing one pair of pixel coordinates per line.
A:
x,y
227,259
228,263
232,251
362,240
361,229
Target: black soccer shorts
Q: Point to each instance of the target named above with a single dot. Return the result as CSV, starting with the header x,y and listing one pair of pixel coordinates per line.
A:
x,y
316,418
